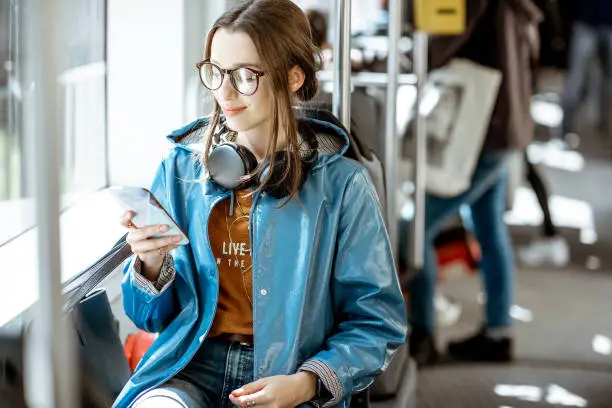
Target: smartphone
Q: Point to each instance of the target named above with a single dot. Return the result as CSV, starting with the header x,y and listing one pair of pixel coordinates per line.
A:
x,y
147,210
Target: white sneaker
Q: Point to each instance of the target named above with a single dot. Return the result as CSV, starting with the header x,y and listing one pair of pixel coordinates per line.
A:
x,y
557,145
541,251
448,311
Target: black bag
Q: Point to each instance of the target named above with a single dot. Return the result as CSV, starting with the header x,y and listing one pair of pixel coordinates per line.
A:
x,y
103,367
101,353
11,371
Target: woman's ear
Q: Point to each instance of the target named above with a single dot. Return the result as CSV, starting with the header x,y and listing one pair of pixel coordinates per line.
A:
x,y
296,78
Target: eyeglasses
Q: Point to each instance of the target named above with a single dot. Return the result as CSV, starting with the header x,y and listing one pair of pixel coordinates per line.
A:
x,y
244,80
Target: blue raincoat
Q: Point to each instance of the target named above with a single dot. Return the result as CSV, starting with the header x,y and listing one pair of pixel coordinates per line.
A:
x,y
324,280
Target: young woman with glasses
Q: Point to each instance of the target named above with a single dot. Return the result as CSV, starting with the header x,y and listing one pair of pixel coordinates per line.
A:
x,y
287,293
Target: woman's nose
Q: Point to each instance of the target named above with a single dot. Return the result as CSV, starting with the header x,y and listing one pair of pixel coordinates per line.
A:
x,y
226,91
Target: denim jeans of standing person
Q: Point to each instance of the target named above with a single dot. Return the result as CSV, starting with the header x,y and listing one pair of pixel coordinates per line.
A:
x,y
486,198
217,369
587,43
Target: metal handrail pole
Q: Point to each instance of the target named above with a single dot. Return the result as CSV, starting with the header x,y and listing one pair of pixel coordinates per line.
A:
x,y
391,139
417,233
342,63
55,376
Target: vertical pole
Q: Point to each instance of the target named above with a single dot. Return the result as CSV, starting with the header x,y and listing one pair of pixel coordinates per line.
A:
x,y
12,134
52,344
342,63
8,142
391,140
420,148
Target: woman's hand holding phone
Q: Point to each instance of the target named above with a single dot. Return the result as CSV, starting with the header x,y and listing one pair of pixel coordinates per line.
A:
x,y
150,250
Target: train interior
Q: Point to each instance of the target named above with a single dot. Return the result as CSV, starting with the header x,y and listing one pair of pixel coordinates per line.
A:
x,y
126,78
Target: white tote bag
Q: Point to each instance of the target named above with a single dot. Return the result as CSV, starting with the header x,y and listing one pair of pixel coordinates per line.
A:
x,y
457,103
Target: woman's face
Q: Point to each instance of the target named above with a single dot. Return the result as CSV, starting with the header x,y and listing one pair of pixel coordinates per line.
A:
x,y
244,113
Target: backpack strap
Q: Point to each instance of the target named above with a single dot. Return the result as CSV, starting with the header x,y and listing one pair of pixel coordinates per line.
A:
x,y
80,285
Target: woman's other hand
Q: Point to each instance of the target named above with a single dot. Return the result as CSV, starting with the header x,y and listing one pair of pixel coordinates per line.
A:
x,y
281,391
151,251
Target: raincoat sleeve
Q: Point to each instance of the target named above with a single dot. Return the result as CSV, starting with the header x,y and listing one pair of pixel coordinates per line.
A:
x,y
151,305
370,308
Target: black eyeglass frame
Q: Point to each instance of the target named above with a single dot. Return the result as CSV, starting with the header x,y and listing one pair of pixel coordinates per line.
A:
x,y
229,72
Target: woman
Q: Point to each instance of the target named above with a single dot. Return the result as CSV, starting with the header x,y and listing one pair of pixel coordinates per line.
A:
x,y
287,292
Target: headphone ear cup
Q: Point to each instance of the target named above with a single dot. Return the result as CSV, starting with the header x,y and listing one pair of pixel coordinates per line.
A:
x,y
228,163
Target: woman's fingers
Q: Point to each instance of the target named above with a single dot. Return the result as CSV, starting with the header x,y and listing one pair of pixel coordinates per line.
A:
x,y
144,233
250,388
126,219
250,393
143,243
257,399
159,245
147,232
137,234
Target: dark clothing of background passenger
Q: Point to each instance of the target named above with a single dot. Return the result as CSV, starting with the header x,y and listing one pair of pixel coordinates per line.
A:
x,y
595,13
500,35
591,39
539,188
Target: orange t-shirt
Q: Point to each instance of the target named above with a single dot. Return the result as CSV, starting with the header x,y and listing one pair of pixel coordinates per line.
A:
x,y
231,247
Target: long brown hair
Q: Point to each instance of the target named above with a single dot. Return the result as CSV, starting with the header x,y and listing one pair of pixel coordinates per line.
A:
x,y
281,34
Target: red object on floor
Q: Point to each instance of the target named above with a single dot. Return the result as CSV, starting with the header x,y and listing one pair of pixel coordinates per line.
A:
x,y
136,345
468,252
457,245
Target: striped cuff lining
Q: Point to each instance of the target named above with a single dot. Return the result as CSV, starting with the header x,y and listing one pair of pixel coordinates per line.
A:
x,y
166,276
329,379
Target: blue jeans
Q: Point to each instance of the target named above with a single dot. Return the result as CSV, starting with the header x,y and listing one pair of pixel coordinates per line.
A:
x,y
487,200
217,369
586,44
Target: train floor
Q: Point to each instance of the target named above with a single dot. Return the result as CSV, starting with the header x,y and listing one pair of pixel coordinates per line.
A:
x,y
562,346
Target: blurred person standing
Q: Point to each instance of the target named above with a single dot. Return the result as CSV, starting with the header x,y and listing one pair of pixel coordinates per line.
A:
x,y
591,39
318,29
549,247
501,34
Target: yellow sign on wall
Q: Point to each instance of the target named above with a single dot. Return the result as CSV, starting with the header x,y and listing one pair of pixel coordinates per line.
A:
x,y
440,16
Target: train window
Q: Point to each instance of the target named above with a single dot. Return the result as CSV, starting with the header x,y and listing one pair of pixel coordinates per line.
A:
x,y
81,108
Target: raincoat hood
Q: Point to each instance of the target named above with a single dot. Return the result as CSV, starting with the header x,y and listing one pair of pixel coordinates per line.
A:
x,y
333,142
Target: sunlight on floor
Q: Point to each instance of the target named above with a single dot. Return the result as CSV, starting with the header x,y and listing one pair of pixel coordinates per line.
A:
x,y
552,156
555,395
566,213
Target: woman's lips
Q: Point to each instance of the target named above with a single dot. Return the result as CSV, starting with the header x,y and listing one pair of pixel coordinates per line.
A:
x,y
233,111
